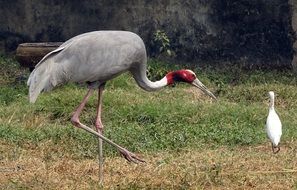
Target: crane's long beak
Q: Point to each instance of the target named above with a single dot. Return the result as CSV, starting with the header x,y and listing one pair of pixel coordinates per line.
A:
x,y
201,86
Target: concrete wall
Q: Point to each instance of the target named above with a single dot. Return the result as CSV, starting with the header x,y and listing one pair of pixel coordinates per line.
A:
x,y
294,26
256,31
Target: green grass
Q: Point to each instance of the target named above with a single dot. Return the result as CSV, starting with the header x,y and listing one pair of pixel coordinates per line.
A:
x,y
188,140
172,119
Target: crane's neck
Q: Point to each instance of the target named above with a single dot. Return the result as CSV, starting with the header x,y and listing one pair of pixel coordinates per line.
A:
x,y
148,85
142,80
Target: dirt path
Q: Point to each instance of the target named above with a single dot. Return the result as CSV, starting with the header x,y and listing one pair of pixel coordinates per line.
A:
x,y
222,168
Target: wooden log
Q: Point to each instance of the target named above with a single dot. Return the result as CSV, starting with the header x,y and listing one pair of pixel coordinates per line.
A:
x,y
29,54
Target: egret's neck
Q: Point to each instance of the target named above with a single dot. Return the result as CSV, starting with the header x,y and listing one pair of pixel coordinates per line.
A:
x,y
271,103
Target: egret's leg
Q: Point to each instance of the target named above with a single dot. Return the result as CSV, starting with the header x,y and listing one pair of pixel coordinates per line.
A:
x,y
275,149
129,156
99,128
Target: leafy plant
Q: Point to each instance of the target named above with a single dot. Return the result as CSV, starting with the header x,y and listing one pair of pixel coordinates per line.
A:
x,y
162,42
157,69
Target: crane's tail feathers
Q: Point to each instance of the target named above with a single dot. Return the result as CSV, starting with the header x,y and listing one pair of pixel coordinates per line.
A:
x,y
39,81
44,76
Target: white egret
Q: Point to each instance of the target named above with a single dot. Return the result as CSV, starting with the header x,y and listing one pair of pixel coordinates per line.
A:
x,y
273,125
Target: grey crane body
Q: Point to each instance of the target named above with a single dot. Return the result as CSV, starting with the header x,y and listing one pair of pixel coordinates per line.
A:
x,y
93,57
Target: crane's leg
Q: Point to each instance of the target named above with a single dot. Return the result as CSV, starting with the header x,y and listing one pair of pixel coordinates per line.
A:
x,y
99,128
129,156
75,116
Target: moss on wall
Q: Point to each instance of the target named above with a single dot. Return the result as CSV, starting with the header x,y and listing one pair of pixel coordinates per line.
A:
x,y
257,31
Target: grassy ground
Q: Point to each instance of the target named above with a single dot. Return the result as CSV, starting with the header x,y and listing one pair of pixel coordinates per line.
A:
x,y
188,140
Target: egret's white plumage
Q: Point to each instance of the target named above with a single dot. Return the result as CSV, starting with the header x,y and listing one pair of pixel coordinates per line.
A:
x,y
273,124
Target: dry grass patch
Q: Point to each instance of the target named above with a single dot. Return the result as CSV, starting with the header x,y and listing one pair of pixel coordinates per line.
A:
x,y
252,167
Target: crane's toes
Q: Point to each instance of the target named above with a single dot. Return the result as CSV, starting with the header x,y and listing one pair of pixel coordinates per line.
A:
x,y
130,157
137,158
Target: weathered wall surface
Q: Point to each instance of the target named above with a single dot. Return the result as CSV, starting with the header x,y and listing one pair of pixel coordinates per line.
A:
x,y
257,31
293,4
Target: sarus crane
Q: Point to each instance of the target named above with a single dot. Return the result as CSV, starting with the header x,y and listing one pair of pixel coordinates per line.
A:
x,y
273,125
94,58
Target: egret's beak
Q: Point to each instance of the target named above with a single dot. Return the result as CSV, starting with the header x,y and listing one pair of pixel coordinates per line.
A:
x,y
201,86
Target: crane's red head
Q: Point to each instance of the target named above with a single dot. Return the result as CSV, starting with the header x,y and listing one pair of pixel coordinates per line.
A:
x,y
187,76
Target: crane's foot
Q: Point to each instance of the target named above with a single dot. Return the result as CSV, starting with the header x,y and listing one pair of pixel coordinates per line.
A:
x,y
129,156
